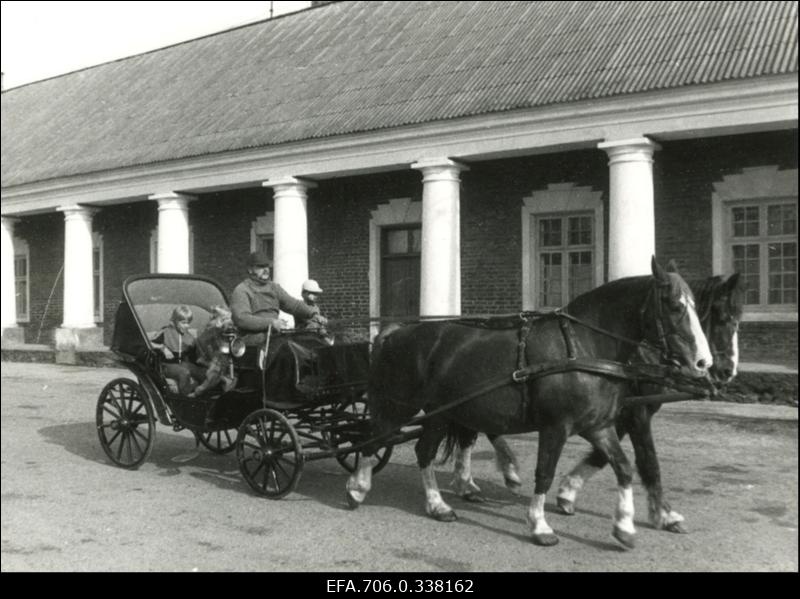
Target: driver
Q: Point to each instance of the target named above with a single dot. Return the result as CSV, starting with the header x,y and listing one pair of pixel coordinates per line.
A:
x,y
256,302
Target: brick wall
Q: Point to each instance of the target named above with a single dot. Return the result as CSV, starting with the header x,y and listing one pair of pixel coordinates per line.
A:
x,y
221,224
338,232
685,172
45,237
126,251
491,226
491,198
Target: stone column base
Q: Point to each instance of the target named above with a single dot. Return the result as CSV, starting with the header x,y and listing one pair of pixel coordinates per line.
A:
x,y
13,336
69,341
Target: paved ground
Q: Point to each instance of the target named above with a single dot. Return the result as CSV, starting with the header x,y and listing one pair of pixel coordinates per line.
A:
x,y
731,469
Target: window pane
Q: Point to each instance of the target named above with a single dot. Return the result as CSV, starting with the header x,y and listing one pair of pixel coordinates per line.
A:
x,y
781,219
782,273
21,285
549,232
746,262
580,273
397,241
266,244
416,239
20,266
745,221
580,230
550,276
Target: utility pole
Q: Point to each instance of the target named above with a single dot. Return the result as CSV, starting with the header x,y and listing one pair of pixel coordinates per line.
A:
x,y
271,8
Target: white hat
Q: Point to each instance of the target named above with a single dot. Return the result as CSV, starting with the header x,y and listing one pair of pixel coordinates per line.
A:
x,y
311,286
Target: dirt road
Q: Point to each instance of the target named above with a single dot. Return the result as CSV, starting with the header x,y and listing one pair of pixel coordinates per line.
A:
x,y
730,469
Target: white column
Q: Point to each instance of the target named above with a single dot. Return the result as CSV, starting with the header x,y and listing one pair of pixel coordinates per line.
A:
x,y
631,217
440,268
8,300
173,232
78,271
291,232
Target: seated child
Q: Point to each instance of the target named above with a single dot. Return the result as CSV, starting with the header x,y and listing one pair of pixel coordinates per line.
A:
x,y
179,346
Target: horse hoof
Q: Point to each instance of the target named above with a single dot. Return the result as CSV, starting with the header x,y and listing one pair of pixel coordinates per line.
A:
x,y
626,539
473,498
444,516
566,506
547,539
676,527
514,486
352,502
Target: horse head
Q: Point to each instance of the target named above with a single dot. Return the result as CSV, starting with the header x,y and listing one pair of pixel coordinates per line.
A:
x,y
672,313
723,305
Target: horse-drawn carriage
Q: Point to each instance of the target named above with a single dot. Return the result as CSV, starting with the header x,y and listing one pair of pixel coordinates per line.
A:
x,y
595,369
296,397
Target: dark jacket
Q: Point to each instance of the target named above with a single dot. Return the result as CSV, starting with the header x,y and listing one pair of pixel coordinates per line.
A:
x,y
255,306
184,346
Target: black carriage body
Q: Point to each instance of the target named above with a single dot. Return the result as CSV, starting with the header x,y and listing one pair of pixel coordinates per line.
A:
x,y
299,369
297,398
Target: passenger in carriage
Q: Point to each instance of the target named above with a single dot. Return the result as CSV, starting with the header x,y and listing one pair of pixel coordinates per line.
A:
x,y
256,302
317,323
179,348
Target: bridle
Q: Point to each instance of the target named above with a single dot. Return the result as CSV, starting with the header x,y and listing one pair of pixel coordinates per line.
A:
x,y
655,295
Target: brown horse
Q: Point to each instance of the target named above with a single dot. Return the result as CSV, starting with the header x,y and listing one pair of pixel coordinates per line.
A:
x,y
434,366
719,305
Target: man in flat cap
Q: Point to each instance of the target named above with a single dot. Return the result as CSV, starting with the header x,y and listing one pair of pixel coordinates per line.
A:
x,y
256,302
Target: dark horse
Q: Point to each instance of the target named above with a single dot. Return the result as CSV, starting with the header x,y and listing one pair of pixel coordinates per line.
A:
x,y
434,366
719,305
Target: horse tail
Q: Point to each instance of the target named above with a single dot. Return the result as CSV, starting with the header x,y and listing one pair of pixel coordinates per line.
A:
x,y
457,436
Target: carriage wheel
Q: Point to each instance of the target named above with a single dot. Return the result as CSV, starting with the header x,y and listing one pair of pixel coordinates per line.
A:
x,y
350,461
221,441
270,454
125,423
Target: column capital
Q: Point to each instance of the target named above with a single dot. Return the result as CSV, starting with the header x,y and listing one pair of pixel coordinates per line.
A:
x,y
77,211
439,169
9,222
172,200
288,183
630,150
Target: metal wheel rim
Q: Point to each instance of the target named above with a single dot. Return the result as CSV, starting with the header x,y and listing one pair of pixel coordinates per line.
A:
x,y
349,461
269,453
220,442
125,423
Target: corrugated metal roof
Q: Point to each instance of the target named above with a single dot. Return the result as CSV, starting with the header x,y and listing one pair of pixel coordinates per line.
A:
x,y
350,67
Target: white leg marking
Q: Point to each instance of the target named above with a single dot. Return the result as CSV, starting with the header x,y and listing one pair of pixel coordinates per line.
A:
x,y
536,521
623,515
463,484
434,504
574,481
360,482
506,460
735,356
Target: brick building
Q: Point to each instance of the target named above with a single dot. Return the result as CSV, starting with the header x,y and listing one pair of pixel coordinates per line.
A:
x,y
415,158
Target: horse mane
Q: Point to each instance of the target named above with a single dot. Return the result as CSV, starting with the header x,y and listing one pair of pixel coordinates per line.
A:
x,y
705,293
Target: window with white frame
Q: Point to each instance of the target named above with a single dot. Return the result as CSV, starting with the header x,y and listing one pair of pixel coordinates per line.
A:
x,y
97,275
154,250
755,234
394,235
762,242
562,245
22,261
564,257
262,235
